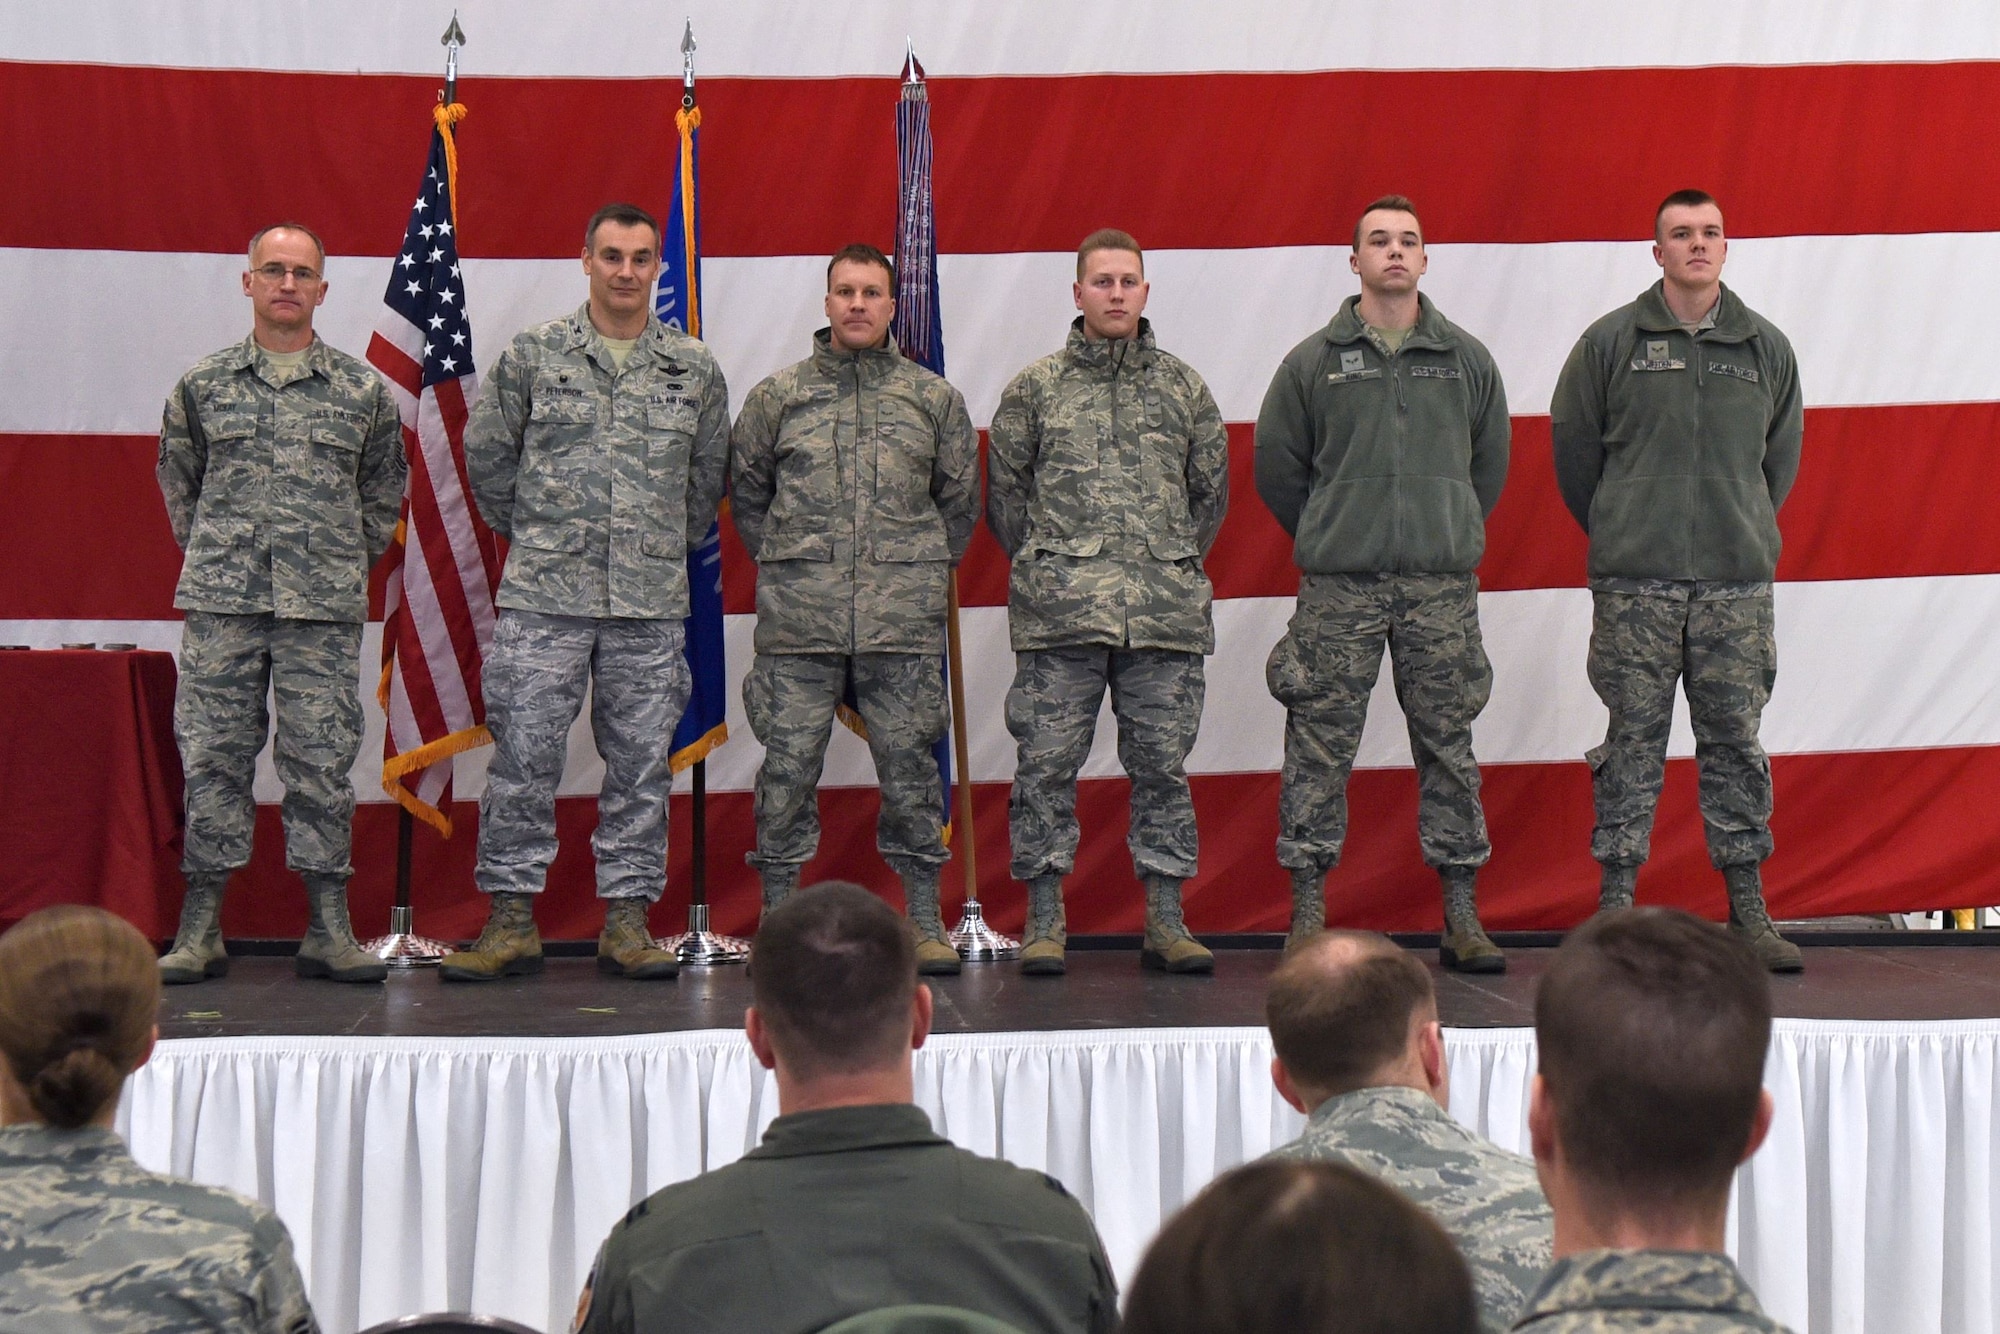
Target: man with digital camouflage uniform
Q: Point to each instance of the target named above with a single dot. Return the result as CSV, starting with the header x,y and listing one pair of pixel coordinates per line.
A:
x,y
281,464
597,449
1354,1023
1651,1028
854,481
1678,423
1381,448
1108,475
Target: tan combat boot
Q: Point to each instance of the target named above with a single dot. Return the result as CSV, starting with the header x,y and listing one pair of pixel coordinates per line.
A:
x,y
1308,907
1167,945
509,946
779,880
197,952
625,948
1617,887
1465,947
1047,931
329,949
1751,924
936,955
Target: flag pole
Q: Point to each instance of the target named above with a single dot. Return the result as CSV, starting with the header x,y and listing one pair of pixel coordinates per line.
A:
x,y
402,947
916,258
698,946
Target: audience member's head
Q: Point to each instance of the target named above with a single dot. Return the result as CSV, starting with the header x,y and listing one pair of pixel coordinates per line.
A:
x,y
1652,1027
79,1000
1352,1010
1301,1247
836,1001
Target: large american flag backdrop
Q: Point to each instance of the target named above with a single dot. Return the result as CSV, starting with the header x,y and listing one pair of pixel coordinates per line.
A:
x,y
1852,145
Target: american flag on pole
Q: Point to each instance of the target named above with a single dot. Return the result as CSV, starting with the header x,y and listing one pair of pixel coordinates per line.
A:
x,y
443,562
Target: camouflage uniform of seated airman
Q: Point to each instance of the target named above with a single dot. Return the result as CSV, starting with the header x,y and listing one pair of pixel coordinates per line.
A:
x,y
281,483
91,1241
601,465
854,482
1659,1292
1108,479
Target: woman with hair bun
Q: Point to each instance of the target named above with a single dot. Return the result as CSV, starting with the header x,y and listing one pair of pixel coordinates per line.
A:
x,y
89,1240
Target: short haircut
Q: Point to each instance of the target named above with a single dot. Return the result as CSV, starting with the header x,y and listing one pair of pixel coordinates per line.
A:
x,y
625,215
1396,203
834,972
1340,1009
79,995
860,252
1301,1247
1652,1027
1107,238
1681,199
299,227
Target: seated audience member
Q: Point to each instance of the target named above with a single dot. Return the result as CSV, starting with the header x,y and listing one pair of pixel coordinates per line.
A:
x,y
852,1202
89,1240
1282,1247
1652,1028
1354,1023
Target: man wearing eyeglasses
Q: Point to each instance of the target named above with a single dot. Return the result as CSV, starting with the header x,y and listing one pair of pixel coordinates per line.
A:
x,y
281,465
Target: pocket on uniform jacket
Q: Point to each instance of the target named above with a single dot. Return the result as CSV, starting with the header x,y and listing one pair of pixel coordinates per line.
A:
x,y
661,545
567,540
1172,545
680,417
926,544
219,539
342,431
789,544
1055,544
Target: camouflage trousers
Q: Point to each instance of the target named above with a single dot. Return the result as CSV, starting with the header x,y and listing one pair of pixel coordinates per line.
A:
x,y
1322,672
1720,642
1156,695
534,685
790,700
229,665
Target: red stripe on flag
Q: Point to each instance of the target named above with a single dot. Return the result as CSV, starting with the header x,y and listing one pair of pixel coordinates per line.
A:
x,y
395,365
801,166
1881,495
1859,832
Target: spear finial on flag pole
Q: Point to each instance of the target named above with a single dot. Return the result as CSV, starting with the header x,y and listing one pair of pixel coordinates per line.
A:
x,y
687,65
454,37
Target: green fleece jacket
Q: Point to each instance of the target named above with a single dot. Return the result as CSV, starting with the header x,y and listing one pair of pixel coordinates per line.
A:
x,y
1379,463
1675,450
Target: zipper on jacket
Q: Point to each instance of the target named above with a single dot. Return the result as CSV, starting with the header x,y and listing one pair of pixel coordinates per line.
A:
x,y
1402,447
1694,479
853,517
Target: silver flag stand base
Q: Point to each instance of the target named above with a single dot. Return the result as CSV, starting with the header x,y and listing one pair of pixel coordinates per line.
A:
x,y
402,947
700,947
977,942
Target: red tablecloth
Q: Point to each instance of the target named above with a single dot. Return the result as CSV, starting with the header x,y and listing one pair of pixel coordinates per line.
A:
x,y
90,785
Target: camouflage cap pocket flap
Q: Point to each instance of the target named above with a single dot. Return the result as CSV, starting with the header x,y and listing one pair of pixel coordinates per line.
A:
x,y
660,544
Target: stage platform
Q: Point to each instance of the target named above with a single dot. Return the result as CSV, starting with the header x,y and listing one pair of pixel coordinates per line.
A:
x,y
466,1147
1921,976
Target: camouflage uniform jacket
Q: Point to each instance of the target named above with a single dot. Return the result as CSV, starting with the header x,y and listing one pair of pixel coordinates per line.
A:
x,y
1675,450
854,481
1107,478
291,490
1380,462
1661,1292
600,478
90,1241
1488,1199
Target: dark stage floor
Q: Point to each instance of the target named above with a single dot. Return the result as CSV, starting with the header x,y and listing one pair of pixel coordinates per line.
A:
x,y
1103,989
